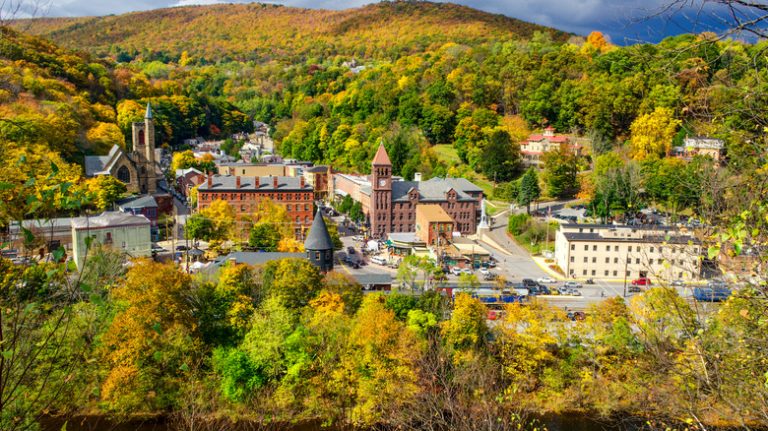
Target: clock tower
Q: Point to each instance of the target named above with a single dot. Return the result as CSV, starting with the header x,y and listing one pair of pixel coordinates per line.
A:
x,y
381,194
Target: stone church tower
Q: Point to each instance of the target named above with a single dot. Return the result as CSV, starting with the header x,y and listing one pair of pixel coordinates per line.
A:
x,y
381,194
143,153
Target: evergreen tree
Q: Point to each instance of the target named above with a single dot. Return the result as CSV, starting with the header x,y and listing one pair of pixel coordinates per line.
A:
x,y
529,189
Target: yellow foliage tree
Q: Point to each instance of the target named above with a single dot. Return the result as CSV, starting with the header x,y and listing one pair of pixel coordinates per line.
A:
x,y
652,134
151,340
104,135
222,215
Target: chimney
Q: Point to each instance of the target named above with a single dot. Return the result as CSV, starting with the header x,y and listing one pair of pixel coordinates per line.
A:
x,y
274,182
301,182
210,180
237,182
417,177
256,182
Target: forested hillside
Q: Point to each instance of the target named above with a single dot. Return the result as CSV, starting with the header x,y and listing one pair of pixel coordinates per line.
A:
x,y
259,32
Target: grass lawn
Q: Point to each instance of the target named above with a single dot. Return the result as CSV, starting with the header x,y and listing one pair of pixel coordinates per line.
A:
x,y
447,153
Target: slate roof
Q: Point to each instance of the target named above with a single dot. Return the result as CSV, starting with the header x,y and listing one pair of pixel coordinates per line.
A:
x,y
254,258
650,239
148,114
319,168
434,189
99,165
138,203
229,183
318,238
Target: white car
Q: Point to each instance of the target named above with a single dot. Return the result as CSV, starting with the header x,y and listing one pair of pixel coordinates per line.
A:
x,y
546,280
455,270
484,271
466,271
678,283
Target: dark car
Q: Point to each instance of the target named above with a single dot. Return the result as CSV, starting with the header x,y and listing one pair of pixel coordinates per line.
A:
x,y
182,248
351,250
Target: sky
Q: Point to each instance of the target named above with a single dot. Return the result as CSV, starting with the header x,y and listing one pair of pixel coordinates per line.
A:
x,y
624,21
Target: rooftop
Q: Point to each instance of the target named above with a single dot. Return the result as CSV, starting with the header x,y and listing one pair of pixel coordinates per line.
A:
x,y
318,237
229,183
109,219
381,157
433,213
138,203
645,239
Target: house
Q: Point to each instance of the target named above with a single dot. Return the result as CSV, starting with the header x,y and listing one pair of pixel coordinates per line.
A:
x,y
534,148
120,231
138,168
318,177
615,251
186,179
143,205
700,146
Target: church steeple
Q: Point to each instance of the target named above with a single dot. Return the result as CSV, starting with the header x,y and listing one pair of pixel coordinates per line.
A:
x,y
148,115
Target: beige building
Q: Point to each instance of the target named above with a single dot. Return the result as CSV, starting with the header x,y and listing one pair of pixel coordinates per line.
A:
x,y
607,251
251,169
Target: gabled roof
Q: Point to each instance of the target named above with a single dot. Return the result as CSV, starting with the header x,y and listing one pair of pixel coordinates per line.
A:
x,y
138,203
318,238
109,219
381,157
99,165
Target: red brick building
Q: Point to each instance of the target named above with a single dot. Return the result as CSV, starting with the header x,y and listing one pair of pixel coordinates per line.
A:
x,y
245,193
390,206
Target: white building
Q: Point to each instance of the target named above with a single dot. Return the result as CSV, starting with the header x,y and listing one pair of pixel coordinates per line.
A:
x,y
121,231
611,251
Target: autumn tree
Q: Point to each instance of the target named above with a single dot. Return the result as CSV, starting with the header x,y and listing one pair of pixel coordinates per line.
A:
x,y
560,173
104,190
652,134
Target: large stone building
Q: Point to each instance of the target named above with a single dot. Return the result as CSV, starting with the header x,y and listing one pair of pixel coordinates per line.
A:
x,y
390,204
138,169
245,193
618,252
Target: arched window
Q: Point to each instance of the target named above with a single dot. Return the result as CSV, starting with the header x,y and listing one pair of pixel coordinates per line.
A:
x,y
124,175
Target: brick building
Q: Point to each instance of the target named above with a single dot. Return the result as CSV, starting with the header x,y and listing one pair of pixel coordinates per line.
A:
x,y
433,223
390,205
245,193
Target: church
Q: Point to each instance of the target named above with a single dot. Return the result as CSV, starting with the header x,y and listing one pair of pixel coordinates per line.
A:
x,y
138,169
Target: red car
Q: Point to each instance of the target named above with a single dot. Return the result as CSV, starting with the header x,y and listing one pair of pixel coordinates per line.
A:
x,y
644,281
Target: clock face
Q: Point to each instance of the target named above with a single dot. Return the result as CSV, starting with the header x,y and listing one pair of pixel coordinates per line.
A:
x,y
382,183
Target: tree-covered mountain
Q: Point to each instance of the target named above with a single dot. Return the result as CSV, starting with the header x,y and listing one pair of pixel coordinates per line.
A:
x,y
262,32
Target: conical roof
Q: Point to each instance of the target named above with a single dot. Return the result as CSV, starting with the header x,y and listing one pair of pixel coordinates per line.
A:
x,y
381,157
318,238
149,111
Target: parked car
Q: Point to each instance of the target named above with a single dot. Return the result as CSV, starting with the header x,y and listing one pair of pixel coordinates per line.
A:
x,y
182,248
455,270
633,288
484,271
379,260
351,250
572,285
467,271
678,283
642,281
528,282
574,292
357,238
547,280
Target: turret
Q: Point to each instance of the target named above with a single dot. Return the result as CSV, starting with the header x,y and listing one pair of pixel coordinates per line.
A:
x,y
318,245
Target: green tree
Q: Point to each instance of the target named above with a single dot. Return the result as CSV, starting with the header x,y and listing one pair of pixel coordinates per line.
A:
x,y
561,168
529,189
265,236
199,226
501,157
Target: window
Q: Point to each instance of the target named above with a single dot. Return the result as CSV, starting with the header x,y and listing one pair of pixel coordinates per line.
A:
x,y
123,174
616,248
573,247
651,249
607,248
593,272
614,273
586,247
607,260
594,260
615,260
571,259
288,207
108,239
637,260
317,255
586,259
584,272
629,248
606,273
